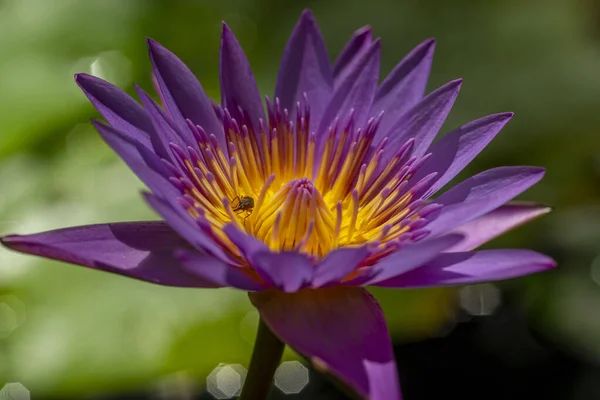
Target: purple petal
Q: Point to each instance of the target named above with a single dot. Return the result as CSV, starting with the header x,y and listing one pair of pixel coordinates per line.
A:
x,y
238,87
338,264
246,243
356,92
341,329
183,95
383,380
140,160
140,250
185,226
495,223
411,257
458,148
404,86
481,194
354,49
422,122
473,267
212,270
305,68
166,132
117,107
287,271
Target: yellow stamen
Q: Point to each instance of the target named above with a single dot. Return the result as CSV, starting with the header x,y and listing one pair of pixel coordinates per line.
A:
x,y
303,196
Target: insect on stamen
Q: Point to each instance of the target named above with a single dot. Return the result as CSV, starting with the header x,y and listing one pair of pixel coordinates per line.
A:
x,y
243,204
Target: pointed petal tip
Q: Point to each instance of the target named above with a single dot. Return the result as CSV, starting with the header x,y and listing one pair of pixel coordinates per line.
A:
x,y
425,49
456,83
138,88
427,45
366,30
105,130
551,263
374,47
9,240
503,117
540,208
83,79
452,86
80,77
225,29
228,38
153,45
307,15
19,243
541,172
148,198
96,123
142,94
541,261
155,49
537,170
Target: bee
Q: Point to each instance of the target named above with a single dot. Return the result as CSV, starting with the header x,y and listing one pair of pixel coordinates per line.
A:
x,y
243,204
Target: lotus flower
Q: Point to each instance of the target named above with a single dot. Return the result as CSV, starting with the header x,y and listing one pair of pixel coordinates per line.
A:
x,y
332,187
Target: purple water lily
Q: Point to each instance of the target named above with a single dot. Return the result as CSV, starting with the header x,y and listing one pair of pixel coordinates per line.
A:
x,y
331,189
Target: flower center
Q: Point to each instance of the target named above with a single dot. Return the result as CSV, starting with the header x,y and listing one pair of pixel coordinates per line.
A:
x,y
281,185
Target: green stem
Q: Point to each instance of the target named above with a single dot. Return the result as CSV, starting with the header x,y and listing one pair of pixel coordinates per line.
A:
x,y
266,356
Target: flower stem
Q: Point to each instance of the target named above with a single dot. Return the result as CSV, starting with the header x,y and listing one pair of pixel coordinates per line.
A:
x,y
266,356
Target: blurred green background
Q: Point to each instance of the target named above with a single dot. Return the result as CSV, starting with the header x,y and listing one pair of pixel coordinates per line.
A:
x,y
68,332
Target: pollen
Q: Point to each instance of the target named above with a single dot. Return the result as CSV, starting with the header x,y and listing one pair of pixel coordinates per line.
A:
x,y
280,183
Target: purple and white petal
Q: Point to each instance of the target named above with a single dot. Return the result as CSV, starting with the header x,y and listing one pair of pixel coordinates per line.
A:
x,y
305,68
140,250
450,269
341,329
495,223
